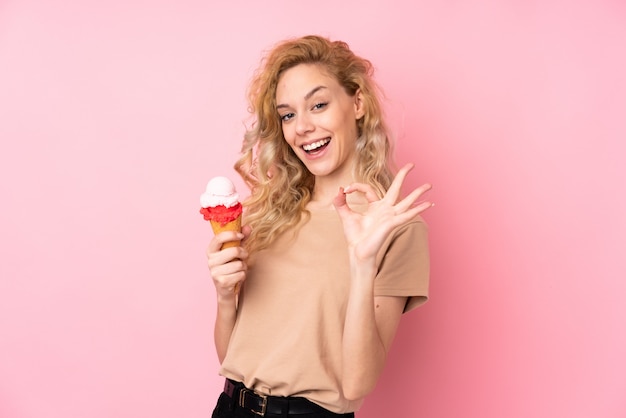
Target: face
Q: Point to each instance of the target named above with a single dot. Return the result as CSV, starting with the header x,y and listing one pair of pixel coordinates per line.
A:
x,y
319,120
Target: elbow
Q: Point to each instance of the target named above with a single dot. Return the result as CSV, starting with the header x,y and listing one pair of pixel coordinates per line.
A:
x,y
354,391
360,380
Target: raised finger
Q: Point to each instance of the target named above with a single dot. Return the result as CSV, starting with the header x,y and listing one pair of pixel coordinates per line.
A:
x,y
394,190
412,213
412,197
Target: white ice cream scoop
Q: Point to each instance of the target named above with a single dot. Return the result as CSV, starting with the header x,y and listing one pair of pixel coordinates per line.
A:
x,y
219,191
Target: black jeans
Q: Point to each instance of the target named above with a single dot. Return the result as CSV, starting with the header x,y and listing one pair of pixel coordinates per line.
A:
x,y
229,408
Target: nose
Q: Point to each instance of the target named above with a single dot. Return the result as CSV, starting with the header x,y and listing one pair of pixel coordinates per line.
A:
x,y
303,124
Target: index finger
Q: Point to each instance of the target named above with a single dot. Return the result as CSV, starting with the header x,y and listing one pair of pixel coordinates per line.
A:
x,y
222,238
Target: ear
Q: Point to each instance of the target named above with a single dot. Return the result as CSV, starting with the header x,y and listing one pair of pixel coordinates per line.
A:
x,y
359,105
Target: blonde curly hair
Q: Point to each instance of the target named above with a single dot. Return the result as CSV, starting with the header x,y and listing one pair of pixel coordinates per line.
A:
x,y
280,184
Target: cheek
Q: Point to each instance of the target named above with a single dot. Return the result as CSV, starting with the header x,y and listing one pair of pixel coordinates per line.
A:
x,y
350,127
288,135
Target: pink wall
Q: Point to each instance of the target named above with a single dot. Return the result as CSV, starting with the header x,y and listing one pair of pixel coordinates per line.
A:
x,y
114,114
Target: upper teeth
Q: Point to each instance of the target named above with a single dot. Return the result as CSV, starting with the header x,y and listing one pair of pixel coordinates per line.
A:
x,y
315,145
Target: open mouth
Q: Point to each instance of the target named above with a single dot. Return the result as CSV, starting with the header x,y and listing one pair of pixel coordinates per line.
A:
x,y
316,146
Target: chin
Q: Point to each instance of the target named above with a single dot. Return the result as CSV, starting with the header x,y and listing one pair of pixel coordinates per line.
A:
x,y
319,172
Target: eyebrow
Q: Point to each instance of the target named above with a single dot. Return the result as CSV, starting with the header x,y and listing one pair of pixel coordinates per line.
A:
x,y
306,96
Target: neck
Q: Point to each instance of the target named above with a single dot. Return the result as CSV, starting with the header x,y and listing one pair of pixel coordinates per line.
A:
x,y
327,187
325,192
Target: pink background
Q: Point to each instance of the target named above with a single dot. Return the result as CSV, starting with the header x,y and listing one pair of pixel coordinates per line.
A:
x,y
113,115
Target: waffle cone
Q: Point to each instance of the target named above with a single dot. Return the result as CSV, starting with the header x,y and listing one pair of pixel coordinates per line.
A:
x,y
230,226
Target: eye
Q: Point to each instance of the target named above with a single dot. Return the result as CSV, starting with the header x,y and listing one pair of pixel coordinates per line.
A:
x,y
286,117
318,106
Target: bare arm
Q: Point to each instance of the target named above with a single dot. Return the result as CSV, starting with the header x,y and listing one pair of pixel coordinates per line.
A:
x,y
228,267
371,322
224,324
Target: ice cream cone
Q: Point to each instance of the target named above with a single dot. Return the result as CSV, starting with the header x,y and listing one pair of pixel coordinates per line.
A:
x,y
220,205
230,226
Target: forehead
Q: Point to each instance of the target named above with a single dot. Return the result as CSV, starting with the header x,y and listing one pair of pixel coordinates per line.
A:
x,y
298,81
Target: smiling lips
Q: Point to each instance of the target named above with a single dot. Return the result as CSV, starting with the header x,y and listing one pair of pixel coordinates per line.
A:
x,y
316,146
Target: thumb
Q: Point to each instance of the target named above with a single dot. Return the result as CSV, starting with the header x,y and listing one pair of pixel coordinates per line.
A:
x,y
340,202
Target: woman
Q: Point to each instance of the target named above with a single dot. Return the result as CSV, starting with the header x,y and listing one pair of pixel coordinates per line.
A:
x,y
332,256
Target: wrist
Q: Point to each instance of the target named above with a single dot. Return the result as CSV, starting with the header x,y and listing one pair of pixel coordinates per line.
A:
x,y
361,263
363,273
226,300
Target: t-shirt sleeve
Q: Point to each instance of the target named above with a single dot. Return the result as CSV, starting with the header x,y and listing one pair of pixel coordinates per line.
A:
x,y
404,266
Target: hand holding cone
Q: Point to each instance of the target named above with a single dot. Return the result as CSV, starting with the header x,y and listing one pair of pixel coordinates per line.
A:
x,y
220,205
